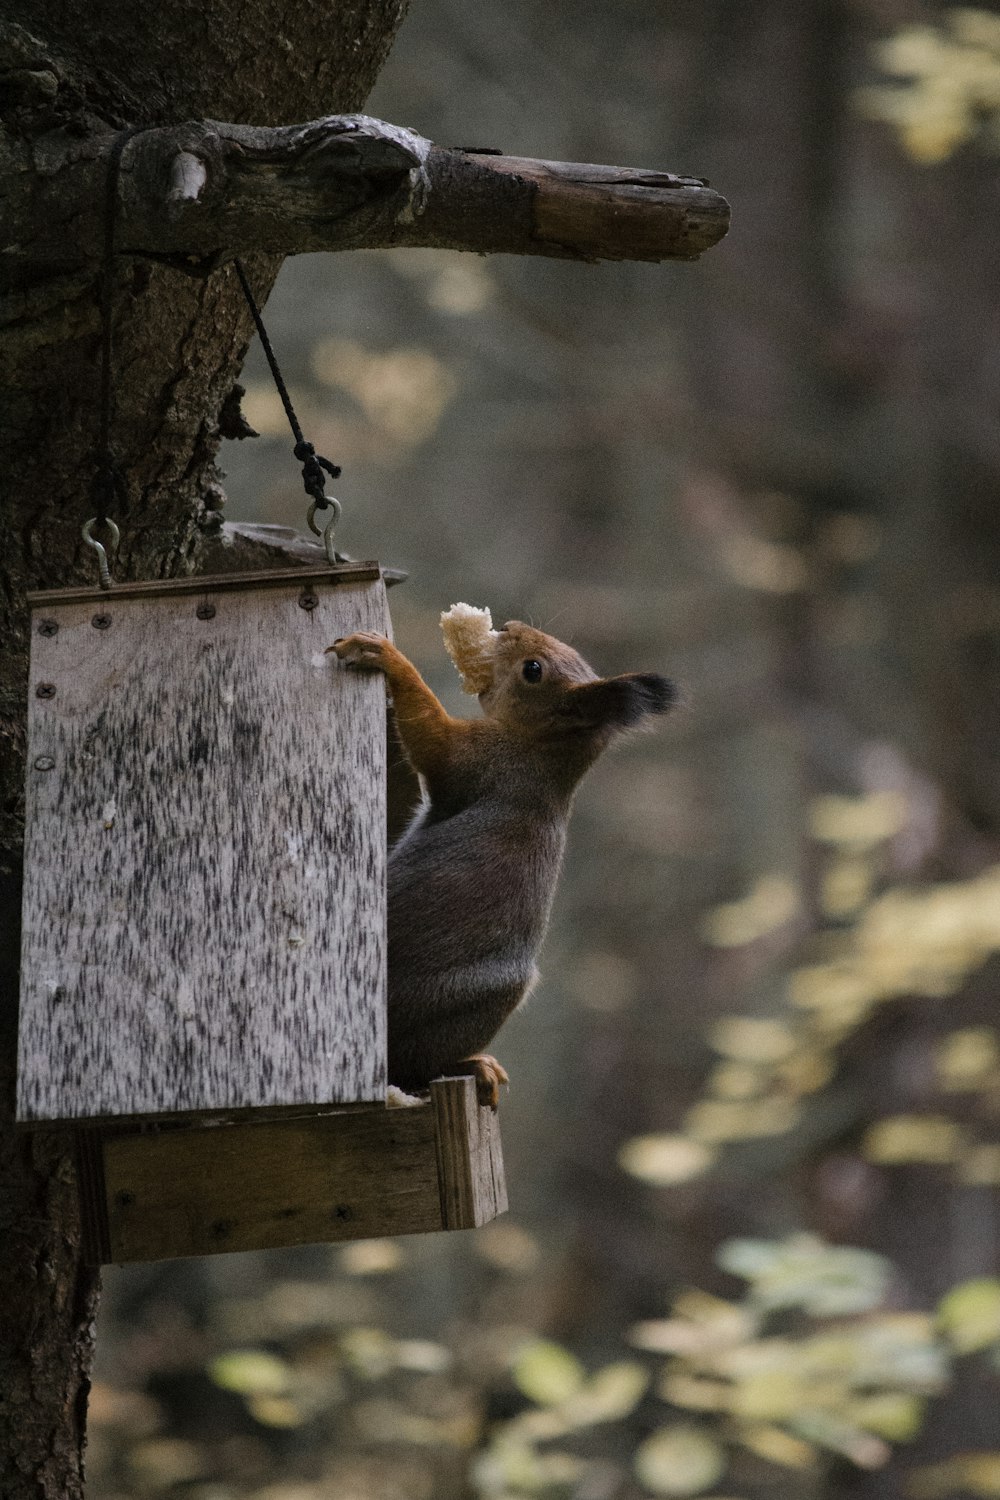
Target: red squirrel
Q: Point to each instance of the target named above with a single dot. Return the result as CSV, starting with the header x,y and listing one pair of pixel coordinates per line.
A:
x,y
471,879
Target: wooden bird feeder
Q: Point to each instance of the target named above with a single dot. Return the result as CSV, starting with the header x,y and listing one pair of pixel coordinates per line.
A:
x,y
204,954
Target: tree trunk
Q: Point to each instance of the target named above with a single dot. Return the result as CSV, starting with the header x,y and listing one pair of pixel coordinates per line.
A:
x,y
179,344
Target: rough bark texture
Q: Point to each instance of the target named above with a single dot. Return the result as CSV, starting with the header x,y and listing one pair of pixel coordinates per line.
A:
x,y
179,342
201,192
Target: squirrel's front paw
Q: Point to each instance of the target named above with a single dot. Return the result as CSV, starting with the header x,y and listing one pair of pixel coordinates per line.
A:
x,y
365,651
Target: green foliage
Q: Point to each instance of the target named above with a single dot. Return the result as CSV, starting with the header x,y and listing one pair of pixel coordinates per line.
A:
x,y
679,1460
970,1315
566,1402
845,1378
876,946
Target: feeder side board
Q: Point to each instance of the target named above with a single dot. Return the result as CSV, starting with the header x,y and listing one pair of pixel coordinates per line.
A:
x,y
470,1170
204,909
351,1174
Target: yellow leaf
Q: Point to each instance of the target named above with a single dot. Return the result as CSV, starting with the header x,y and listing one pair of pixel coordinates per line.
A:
x,y
679,1460
778,1447
160,1463
859,822
702,1324
695,1394
914,50
768,1396
981,1474
665,1160
967,1059
773,901
508,1247
976,1473
827,1429
894,1415
275,1411
977,28
736,1080
752,1039
912,1138
422,1355
714,1121
262,408
835,988
369,1351
370,1257
807,1072
547,1373
607,1396
756,563
970,1314
980,1166
846,886
251,1372
404,391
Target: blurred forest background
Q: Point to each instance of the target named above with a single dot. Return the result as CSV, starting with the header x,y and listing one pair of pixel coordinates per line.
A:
x,y
753,1132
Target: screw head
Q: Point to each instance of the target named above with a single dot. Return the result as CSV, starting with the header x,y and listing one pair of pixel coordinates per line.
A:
x,y
101,622
48,627
44,763
45,690
205,611
307,599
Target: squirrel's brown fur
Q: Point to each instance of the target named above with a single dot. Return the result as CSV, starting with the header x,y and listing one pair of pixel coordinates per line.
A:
x,y
472,878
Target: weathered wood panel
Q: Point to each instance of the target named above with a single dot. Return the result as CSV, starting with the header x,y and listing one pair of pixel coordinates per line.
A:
x,y
470,1157
287,1182
204,908
351,1174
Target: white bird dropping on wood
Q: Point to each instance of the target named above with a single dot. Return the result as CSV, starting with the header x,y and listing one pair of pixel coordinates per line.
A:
x,y
470,641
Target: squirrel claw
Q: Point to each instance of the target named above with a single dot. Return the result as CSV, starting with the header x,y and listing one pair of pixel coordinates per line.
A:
x,y
489,1075
363,651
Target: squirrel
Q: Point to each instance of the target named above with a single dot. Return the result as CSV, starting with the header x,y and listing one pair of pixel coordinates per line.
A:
x,y
472,878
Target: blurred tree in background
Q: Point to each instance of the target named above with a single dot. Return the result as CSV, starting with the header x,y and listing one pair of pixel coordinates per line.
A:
x,y
753,1135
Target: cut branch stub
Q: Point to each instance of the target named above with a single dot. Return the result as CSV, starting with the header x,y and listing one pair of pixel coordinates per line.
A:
x,y
205,192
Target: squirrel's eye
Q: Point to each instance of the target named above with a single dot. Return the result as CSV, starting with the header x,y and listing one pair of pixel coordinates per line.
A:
x,y
532,671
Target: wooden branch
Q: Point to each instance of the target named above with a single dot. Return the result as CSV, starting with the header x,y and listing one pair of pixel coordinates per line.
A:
x,y
200,193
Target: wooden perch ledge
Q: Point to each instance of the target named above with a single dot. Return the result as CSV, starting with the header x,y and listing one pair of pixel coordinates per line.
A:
x,y
202,192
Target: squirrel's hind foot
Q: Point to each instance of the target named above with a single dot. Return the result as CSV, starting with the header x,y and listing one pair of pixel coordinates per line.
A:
x,y
489,1075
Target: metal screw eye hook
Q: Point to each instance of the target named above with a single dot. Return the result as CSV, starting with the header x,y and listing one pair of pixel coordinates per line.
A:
x,y
87,532
327,532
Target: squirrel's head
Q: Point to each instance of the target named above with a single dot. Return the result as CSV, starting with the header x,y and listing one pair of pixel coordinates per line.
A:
x,y
545,688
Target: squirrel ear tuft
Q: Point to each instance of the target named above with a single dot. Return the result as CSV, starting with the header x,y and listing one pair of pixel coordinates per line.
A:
x,y
620,702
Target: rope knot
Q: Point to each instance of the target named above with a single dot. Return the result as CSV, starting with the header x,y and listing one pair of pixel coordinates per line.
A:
x,y
313,468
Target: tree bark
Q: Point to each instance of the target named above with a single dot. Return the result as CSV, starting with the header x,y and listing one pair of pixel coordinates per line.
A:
x,y
179,345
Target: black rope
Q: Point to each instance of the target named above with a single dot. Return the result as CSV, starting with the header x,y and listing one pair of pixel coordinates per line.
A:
x,y
313,465
109,485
